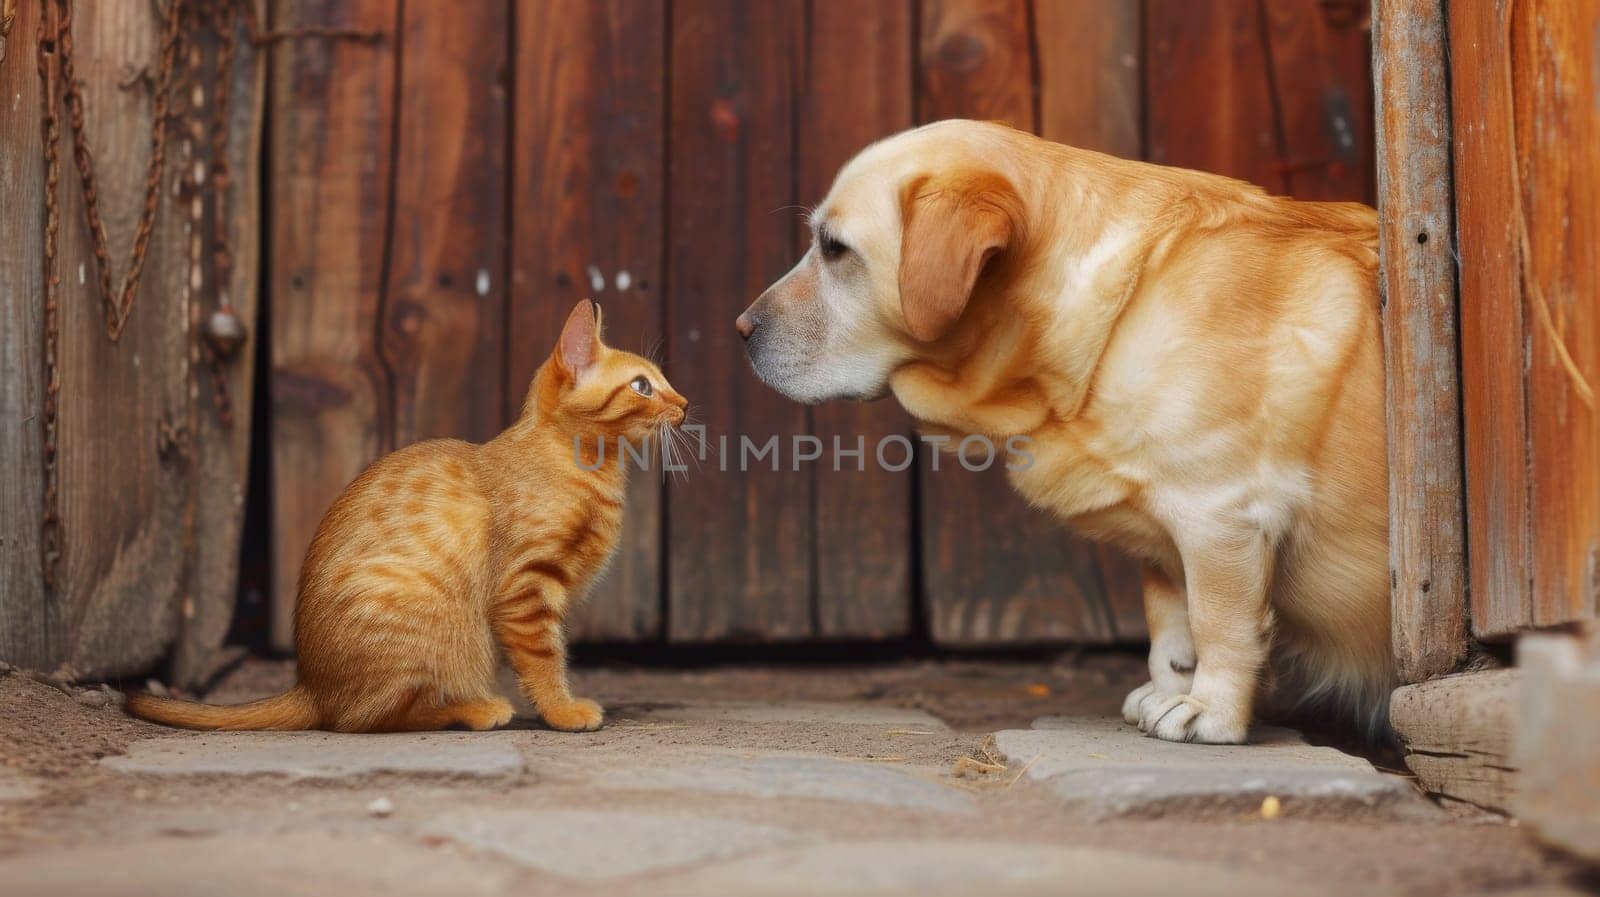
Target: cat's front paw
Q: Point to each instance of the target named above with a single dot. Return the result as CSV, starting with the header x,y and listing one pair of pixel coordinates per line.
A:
x,y
581,715
485,715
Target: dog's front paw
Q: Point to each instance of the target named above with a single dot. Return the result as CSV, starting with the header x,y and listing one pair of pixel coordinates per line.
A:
x,y
1187,718
1132,705
579,716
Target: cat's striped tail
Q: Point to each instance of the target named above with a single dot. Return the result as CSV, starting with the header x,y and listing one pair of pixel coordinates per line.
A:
x,y
290,711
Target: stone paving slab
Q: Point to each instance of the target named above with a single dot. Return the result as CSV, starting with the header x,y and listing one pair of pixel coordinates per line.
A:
x,y
815,713
322,864
964,867
322,754
1102,768
15,786
783,776
591,845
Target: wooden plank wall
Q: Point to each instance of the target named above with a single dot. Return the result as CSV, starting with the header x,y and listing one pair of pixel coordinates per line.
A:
x,y
739,543
857,87
151,480
995,570
474,173
1527,132
332,113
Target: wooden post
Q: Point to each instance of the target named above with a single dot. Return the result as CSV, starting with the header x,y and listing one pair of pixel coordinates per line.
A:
x,y
1426,516
25,618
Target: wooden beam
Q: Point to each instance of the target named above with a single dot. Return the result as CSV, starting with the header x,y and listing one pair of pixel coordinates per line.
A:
x,y
1417,229
1089,91
152,481
1457,733
1322,89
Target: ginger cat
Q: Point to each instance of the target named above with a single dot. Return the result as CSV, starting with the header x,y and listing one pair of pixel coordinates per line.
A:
x,y
445,556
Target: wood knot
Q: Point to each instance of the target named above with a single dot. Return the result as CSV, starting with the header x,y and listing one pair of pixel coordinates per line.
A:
x,y
725,119
961,53
408,318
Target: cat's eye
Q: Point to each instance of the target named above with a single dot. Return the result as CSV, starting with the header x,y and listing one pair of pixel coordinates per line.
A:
x,y
641,385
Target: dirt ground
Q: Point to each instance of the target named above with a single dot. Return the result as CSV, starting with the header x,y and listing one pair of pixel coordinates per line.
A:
x,y
51,738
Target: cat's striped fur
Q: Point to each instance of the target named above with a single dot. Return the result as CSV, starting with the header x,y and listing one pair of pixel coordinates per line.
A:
x,y
445,557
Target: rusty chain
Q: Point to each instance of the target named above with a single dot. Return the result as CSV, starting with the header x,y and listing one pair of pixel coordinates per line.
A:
x,y
223,330
8,19
60,87
119,305
50,132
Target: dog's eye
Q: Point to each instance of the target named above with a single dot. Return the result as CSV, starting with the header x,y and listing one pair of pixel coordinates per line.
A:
x,y
642,386
831,248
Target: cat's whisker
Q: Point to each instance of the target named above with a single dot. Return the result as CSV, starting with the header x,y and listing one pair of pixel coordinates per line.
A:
x,y
668,450
680,470
685,447
679,446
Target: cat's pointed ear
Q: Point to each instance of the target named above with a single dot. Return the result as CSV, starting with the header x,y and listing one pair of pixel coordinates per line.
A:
x,y
579,345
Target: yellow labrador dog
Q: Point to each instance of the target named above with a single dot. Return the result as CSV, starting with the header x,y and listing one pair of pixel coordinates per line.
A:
x,y
1198,366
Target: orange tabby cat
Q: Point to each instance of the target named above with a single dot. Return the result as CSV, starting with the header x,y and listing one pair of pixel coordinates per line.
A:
x,y
445,554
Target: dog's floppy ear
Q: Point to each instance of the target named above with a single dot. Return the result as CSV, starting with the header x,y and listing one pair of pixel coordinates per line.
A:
x,y
952,224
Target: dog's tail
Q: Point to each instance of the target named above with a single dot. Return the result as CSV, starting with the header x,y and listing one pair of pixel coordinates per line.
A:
x,y
290,711
1332,686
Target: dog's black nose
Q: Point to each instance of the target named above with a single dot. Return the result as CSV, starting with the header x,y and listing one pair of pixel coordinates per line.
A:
x,y
745,325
